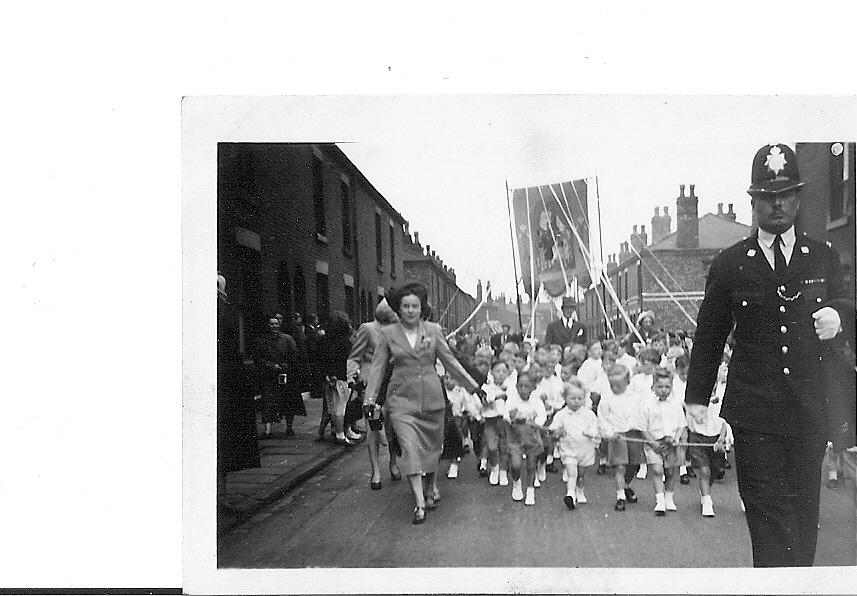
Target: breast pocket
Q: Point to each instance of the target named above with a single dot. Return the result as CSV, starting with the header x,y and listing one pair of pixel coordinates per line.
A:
x,y
747,309
814,291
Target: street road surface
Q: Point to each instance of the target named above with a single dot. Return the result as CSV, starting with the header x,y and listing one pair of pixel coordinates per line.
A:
x,y
335,520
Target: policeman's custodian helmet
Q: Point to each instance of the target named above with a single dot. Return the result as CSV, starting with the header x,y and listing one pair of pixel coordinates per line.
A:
x,y
774,170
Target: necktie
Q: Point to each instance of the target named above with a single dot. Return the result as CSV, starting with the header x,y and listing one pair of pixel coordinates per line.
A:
x,y
780,266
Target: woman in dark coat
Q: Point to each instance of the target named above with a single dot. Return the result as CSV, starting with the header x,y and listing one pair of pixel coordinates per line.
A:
x,y
237,444
415,403
334,348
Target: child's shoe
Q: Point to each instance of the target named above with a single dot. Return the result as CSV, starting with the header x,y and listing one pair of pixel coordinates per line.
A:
x,y
536,482
641,473
494,477
707,506
660,505
504,478
620,505
684,479
630,495
550,468
517,491
453,470
531,496
580,497
669,502
602,469
569,501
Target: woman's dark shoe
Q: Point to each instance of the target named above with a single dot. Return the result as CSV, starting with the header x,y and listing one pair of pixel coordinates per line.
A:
x,y
419,515
375,485
630,495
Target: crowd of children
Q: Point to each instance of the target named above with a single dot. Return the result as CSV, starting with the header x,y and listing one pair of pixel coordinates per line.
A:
x,y
604,406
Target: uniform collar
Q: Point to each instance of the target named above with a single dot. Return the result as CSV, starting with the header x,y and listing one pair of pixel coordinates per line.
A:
x,y
767,238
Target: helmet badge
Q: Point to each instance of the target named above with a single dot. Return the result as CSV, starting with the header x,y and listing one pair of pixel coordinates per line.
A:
x,y
776,160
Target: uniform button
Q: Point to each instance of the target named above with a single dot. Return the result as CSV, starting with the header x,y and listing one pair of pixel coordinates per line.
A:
x,y
782,309
786,370
743,303
785,349
818,299
783,329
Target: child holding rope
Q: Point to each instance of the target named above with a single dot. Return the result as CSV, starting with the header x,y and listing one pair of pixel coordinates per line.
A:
x,y
665,424
618,416
575,428
525,418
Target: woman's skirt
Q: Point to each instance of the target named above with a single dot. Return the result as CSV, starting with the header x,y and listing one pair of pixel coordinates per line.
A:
x,y
420,436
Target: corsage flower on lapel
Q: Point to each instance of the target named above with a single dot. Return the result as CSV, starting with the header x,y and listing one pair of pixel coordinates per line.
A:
x,y
424,343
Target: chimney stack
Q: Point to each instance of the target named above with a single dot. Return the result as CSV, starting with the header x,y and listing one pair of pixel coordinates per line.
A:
x,y
661,225
478,290
687,220
639,239
416,237
731,216
428,250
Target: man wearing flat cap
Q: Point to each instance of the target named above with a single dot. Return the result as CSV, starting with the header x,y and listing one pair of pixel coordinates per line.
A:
x,y
566,330
785,296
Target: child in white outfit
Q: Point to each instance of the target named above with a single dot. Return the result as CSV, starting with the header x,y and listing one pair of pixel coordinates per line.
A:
x,y
525,417
576,429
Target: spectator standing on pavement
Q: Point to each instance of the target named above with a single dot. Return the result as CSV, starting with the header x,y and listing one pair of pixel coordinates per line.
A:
x,y
299,372
359,362
274,354
334,349
415,403
784,294
313,339
237,444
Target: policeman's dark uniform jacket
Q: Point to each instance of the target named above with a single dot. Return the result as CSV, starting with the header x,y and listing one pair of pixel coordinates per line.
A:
x,y
774,397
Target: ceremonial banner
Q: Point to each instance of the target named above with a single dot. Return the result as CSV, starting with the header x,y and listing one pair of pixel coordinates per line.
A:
x,y
548,249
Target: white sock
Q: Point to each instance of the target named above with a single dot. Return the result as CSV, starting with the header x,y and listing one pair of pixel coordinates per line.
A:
x,y
620,495
707,499
659,497
549,458
682,470
832,475
483,463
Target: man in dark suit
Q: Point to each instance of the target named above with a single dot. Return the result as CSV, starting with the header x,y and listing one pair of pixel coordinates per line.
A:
x,y
567,329
498,340
785,294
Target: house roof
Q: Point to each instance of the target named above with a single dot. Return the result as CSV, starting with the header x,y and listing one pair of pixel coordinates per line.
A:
x,y
714,232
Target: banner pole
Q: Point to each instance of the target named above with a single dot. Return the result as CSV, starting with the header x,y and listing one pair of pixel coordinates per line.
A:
x,y
514,262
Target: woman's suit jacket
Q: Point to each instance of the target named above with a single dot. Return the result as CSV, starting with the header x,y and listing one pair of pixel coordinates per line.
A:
x,y
414,385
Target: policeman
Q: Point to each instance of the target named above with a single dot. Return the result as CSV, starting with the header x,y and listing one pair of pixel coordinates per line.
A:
x,y
784,294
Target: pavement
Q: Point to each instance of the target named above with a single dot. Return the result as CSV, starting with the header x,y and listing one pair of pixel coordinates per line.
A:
x,y
286,463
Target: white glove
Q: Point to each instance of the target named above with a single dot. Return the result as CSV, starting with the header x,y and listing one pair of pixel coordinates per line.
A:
x,y
827,323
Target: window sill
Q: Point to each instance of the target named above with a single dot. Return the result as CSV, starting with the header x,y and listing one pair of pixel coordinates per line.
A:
x,y
322,238
837,223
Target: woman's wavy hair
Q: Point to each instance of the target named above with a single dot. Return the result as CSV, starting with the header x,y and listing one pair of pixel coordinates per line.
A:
x,y
413,288
339,325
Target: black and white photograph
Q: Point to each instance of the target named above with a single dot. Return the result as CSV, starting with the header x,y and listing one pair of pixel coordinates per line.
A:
x,y
429,298
548,333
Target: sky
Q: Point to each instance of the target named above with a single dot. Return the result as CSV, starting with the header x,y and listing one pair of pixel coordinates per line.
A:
x,y
443,162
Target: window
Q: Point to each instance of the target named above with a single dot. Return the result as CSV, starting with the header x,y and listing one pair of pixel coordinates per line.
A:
x,y
392,252
843,178
322,298
318,196
300,291
345,194
379,250
349,303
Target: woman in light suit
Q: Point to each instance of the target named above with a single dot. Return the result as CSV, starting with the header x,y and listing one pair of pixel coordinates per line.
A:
x,y
415,402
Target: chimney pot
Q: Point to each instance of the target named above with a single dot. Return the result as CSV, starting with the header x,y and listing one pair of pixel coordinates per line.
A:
x,y
730,209
692,186
666,210
681,188
657,211
719,208
643,229
635,229
416,237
